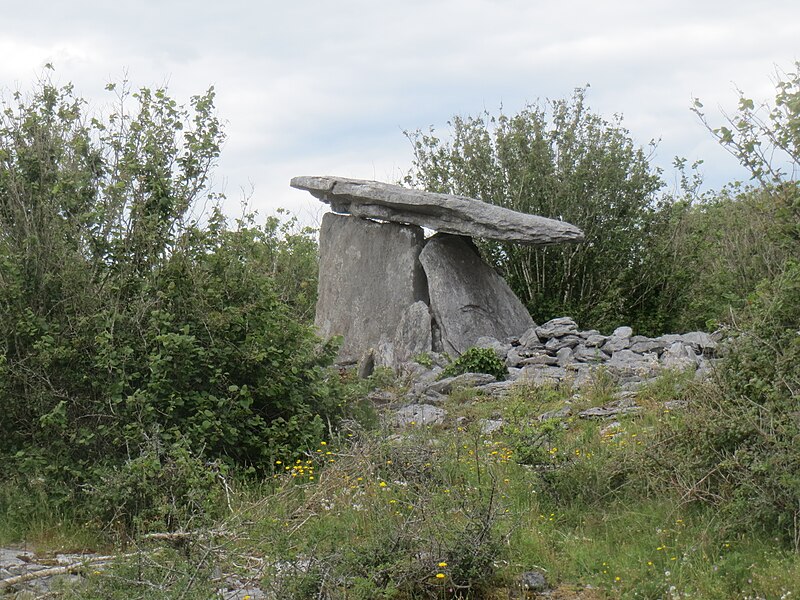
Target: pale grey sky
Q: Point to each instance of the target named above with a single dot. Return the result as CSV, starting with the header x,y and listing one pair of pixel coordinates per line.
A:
x,y
319,87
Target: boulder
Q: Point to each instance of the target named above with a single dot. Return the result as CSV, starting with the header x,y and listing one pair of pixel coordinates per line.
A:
x,y
542,375
468,298
560,413
557,328
418,415
617,342
533,582
358,255
514,357
589,355
555,344
540,359
680,357
622,332
701,342
595,340
565,357
647,345
444,213
530,340
498,388
500,348
465,380
627,364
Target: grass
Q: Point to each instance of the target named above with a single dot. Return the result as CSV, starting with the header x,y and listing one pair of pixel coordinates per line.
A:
x,y
448,512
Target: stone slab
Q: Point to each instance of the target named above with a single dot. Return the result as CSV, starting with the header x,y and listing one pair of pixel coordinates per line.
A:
x,y
445,213
468,298
369,274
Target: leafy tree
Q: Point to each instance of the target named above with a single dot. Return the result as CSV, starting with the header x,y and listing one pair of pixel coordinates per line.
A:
x,y
130,325
764,137
560,161
737,447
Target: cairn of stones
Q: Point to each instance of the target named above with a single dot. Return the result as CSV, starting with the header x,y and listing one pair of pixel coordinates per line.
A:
x,y
392,293
559,353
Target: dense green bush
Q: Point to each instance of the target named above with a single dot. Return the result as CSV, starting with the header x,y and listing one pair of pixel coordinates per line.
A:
x,y
129,322
737,445
477,360
560,161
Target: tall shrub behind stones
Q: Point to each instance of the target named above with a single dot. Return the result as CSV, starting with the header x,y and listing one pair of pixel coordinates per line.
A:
x,y
560,161
736,447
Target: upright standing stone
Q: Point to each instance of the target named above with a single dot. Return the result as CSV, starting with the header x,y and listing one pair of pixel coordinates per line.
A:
x,y
413,335
369,274
467,298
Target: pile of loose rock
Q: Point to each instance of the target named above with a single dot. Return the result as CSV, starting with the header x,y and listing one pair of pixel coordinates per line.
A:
x,y
558,353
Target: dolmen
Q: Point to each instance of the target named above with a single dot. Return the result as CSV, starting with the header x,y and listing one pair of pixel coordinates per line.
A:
x,y
392,293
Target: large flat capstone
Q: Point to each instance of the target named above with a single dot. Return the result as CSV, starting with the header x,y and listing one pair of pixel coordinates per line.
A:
x,y
468,298
445,213
369,274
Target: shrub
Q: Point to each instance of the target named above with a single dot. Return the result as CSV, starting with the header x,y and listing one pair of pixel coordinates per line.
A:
x,y
128,321
477,360
560,160
736,446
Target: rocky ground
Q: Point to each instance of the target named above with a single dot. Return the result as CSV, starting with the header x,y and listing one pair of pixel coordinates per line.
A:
x,y
554,353
26,575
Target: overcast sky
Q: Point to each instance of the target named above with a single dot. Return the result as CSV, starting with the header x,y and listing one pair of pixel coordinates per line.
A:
x,y
313,87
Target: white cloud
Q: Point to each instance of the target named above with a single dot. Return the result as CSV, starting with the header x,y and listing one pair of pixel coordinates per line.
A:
x,y
317,86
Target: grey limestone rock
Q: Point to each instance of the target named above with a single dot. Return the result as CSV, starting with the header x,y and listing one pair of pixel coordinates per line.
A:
x,y
540,359
589,354
610,410
514,358
564,357
580,375
560,413
626,363
701,342
595,340
468,298
501,349
616,343
419,415
555,344
557,328
498,388
645,345
448,384
413,334
514,373
533,582
679,356
622,332
489,426
542,375
358,255
530,340
444,213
